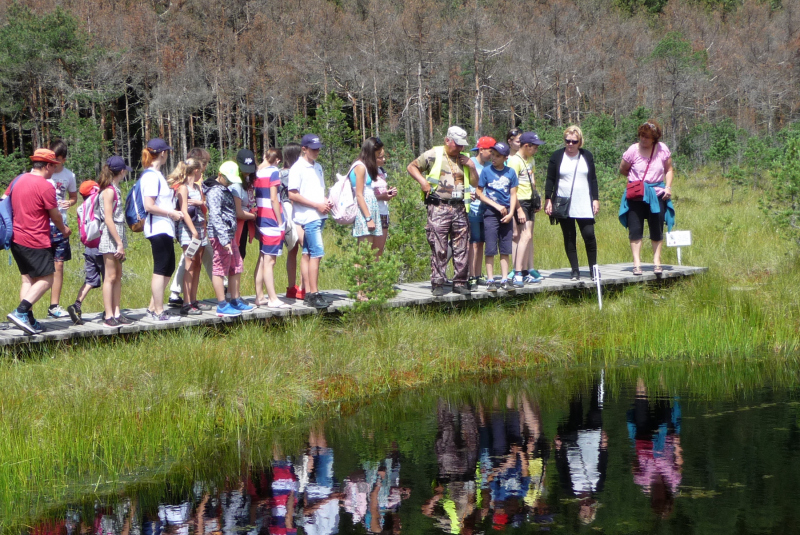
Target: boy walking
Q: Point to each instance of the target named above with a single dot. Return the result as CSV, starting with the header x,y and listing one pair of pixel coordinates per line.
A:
x,y
63,180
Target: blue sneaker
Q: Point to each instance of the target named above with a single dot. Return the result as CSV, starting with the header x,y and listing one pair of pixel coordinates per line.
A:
x,y
227,310
22,321
241,305
511,274
530,279
518,282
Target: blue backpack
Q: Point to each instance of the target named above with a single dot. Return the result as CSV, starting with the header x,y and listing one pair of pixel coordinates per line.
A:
x,y
6,217
135,213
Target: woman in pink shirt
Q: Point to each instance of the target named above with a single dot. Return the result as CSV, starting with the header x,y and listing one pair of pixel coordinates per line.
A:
x,y
649,161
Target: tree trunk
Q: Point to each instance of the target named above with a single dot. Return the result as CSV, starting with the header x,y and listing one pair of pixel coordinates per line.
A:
x,y
558,102
5,138
420,107
127,124
476,118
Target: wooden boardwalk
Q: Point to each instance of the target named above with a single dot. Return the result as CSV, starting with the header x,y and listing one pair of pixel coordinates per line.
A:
x,y
410,294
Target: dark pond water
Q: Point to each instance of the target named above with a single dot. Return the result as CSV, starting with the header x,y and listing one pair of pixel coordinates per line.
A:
x,y
617,452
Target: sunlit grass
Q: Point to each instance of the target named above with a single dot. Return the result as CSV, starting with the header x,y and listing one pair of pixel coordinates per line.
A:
x,y
102,413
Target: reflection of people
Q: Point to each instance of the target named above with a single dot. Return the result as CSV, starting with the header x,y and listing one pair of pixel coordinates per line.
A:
x,y
320,510
453,503
582,452
654,427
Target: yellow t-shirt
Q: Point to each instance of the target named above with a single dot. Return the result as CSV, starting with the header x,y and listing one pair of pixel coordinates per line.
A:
x,y
525,174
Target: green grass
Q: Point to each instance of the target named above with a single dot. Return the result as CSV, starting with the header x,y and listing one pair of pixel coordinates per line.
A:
x,y
101,414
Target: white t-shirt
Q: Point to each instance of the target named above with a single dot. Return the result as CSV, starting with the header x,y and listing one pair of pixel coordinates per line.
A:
x,y
64,182
155,185
581,205
309,181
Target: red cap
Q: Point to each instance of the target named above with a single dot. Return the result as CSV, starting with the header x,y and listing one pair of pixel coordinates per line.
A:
x,y
485,142
44,155
87,186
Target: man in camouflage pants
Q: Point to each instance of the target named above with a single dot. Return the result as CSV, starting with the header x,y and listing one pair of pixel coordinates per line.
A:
x,y
442,173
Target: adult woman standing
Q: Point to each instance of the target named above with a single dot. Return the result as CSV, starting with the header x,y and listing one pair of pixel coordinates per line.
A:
x,y
650,162
159,226
571,175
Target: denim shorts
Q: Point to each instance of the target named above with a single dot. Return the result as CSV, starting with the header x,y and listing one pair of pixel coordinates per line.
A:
x,y
312,241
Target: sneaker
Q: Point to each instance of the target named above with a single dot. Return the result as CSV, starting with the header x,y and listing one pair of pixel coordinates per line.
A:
x,y
536,275
291,293
226,310
111,322
57,312
530,279
512,274
318,301
175,300
38,327
519,282
438,291
491,286
241,305
75,314
202,306
150,315
300,293
504,285
21,321
122,319
461,289
576,275
190,310
162,317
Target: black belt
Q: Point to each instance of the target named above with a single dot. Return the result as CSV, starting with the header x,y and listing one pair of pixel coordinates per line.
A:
x,y
435,201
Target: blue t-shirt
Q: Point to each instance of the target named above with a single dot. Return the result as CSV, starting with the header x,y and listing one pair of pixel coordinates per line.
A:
x,y
475,206
497,184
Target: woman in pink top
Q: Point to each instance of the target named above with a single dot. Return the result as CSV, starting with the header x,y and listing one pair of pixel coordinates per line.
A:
x,y
648,160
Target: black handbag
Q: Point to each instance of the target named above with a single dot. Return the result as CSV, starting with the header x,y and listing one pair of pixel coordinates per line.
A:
x,y
561,204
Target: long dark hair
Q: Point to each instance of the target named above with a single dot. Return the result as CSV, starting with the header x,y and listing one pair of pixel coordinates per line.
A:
x,y
291,153
369,148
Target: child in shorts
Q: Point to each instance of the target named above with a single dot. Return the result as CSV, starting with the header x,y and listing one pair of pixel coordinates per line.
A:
x,y
92,264
497,189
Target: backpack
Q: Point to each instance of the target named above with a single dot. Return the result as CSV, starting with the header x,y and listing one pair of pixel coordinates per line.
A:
x,y
89,222
135,214
6,217
344,209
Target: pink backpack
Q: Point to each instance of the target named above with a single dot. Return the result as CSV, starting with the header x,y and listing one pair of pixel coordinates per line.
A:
x,y
344,202
89,222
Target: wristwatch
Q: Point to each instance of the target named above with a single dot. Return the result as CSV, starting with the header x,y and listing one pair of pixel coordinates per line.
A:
x,y
368,219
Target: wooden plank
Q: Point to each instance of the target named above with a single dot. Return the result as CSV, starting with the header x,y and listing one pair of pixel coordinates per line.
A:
x,y
409,294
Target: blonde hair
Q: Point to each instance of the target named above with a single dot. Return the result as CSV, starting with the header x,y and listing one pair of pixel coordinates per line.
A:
x,y
181,173
575,130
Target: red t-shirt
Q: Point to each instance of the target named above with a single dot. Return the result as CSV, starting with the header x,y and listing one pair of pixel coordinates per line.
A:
x,y
31,200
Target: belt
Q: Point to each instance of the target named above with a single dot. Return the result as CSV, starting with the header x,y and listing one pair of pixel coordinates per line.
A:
x,y
435,201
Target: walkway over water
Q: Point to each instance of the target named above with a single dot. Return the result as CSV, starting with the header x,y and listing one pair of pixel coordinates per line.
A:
x,y
410,294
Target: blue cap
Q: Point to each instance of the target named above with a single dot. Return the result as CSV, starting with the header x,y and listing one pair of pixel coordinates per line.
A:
x,y
158,145
502,148
311,141
530,138
117,164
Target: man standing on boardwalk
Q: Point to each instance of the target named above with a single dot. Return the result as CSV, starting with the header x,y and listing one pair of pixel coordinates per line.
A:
x,y
443,173
34,204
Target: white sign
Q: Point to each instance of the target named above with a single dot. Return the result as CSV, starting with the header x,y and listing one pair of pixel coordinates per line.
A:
x,y
679,238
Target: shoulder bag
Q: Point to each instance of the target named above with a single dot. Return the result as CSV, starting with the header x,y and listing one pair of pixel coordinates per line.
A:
x,y
561,204
634,191
536,199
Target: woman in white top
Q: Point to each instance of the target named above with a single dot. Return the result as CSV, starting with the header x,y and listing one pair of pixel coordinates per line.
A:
x,y
159,225
571,173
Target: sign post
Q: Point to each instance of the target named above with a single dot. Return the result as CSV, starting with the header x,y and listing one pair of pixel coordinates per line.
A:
x,y
596,274
679,238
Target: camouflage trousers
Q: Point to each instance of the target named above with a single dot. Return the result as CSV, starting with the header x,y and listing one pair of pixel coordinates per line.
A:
x,y
448,225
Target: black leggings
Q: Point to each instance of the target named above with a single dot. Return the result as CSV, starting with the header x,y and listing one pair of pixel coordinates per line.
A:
x,y
638,212
571,237
163,254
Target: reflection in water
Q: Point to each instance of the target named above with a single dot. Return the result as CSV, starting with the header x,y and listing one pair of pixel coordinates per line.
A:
x,y
479,463
655,431
582,451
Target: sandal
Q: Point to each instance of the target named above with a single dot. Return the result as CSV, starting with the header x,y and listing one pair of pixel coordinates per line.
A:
x,y
637,271
657,270
280,305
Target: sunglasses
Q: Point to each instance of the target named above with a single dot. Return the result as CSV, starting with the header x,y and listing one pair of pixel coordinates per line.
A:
x,y
571,141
